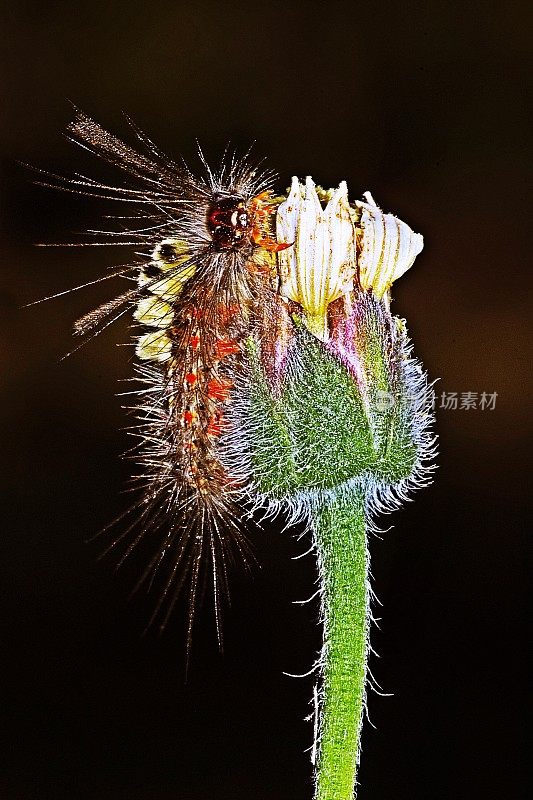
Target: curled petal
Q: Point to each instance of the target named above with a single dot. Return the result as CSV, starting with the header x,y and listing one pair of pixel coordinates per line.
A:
x,y
388,247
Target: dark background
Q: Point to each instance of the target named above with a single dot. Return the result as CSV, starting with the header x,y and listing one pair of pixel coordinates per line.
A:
x,y
425,105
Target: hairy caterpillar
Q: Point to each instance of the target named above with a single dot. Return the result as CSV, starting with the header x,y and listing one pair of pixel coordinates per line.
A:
x,y
209,252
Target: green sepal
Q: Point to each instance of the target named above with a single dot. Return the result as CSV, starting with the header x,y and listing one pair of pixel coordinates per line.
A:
x,y
322,428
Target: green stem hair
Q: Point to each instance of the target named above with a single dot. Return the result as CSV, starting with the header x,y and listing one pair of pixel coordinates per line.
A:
x,y
340,536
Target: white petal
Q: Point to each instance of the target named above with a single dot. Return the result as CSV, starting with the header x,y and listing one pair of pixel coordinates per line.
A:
x,y
389,247
286,222
321,265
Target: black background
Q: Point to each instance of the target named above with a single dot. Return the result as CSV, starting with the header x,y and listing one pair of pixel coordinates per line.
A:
x,y
425,105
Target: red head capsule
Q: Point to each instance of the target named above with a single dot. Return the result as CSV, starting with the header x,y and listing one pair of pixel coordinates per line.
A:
x,y
228,223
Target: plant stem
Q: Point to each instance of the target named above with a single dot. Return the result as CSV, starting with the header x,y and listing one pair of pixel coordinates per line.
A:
x,y
343,564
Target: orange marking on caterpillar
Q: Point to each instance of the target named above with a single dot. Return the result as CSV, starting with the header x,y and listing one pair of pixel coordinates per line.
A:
x,y
214,427
226,312
189,416
219,389
226,347
260,210
269,244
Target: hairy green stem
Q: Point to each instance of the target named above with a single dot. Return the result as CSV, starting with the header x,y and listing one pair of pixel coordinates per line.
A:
x,y
342,554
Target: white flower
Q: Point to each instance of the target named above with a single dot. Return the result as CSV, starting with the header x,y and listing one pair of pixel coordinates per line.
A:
x,y
388,247
321,265
335,250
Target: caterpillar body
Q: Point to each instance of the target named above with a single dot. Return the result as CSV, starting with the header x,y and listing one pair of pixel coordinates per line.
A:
x,y
208,253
